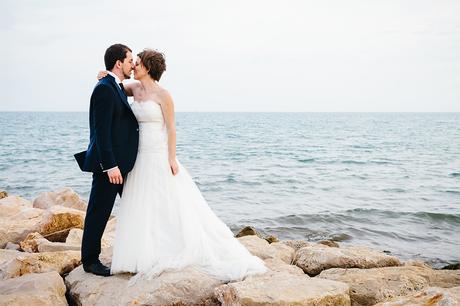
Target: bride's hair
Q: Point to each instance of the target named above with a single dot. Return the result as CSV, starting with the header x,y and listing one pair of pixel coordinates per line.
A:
x,y
154,61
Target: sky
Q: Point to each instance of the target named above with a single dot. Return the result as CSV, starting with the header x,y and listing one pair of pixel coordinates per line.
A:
x,y
240,55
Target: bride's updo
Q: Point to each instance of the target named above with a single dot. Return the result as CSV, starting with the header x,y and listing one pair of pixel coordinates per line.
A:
x,y
154,62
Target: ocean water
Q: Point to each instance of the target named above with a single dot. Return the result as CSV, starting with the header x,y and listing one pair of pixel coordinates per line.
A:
x,y
386,180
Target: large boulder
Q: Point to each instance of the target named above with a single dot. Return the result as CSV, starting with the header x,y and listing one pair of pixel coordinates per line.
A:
x,y
431,296
261,248
282,288
185,287
18,219
33,289
63,197
370,286
14,263
316,258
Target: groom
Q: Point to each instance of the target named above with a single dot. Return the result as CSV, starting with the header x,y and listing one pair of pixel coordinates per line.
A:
x,y
111,153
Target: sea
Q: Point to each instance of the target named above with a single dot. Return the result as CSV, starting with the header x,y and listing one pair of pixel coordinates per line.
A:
x,y
390,181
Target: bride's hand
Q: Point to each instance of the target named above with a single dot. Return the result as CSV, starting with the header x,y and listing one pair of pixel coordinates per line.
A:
x,y
101,74
174,166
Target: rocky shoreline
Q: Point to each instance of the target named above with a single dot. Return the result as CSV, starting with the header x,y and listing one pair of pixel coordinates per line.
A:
x,y
40,265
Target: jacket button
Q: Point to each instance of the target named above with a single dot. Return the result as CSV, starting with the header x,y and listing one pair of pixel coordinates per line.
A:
x,y
137,129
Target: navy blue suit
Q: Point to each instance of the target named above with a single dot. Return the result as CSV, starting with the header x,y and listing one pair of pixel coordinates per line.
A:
x,y
114,138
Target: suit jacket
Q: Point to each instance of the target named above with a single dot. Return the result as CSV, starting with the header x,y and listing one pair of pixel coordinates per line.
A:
x,y
114,131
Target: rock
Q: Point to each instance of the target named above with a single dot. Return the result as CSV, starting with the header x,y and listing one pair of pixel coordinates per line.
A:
x,y
14,263
371,286
61,218
248,231
274,288
428,297
261,248
316,258
277,265
185,287
296,244
12,246
64,197
75,236
58,236
33,289
271,239
18,221
3,194
329,243
455,266
31,242
13,205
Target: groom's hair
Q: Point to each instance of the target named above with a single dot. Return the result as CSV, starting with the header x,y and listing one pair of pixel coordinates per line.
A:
x,y
154,61
113,54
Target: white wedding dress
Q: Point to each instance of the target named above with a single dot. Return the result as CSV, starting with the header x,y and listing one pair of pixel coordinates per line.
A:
x,y
164,223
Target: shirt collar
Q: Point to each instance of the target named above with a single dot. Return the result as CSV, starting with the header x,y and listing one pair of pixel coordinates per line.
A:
x,y
117,80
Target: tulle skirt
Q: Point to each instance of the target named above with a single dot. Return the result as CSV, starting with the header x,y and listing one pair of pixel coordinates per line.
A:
x,y
165,224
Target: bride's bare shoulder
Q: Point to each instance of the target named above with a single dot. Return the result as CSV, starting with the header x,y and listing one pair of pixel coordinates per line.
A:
x,y
165,96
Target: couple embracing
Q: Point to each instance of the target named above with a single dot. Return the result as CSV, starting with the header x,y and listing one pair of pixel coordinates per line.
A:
x,y
163,222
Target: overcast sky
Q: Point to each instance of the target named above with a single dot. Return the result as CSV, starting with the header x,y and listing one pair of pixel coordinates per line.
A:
x,y
240,55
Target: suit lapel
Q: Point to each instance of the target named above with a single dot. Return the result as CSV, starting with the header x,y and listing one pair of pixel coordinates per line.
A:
x,y
122,95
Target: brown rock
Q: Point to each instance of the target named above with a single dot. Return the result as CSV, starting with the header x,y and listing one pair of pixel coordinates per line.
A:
x,y
277,265
3,194
14,263
63,197
316,258
248,231
296,244
271,239
261,248
185,287
431,296
371,286
329,243
33,289
31,242
61,218
275,288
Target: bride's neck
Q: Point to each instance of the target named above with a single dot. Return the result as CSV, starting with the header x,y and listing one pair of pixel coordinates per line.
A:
x,y
148,83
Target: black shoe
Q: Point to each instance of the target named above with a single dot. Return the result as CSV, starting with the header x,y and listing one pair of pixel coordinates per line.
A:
x,y
97,268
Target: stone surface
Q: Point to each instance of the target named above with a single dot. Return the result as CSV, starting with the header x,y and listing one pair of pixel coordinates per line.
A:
x,y
431,296
12,246
248,231
63,196
14,263
277,265
329,243
35,242
61,218
271,239
33,289
274,288
31,242
186,287
261,248
296,244
316,258
370,286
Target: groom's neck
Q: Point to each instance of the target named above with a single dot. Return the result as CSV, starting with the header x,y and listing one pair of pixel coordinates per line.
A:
x,y
119,74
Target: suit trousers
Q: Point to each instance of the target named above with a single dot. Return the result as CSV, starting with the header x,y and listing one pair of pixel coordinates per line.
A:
x,y
100,204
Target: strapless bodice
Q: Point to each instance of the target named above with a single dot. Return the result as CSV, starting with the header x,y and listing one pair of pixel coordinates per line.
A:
x,y
152,128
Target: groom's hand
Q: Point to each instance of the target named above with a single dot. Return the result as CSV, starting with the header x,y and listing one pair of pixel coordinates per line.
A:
x,y
115,176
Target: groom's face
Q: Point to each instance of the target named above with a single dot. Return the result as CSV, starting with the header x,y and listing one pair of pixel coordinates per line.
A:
x,y
127,65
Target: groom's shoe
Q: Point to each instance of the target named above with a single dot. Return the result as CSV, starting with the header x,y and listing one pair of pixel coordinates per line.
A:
x,y
97,268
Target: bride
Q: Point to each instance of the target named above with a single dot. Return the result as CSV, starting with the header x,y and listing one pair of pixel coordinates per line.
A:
x,y
164,223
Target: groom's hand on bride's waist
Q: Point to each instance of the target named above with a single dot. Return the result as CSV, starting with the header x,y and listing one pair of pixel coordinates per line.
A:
x,y
115,176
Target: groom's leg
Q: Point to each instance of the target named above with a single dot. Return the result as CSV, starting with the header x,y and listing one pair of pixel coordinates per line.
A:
x,y
100,206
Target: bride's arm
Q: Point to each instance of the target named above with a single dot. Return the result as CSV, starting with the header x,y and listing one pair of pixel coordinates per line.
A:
x,y
168,112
